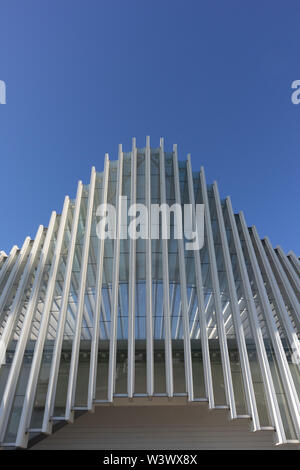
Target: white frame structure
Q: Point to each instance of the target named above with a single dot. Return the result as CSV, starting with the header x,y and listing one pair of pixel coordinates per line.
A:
x,y
87,320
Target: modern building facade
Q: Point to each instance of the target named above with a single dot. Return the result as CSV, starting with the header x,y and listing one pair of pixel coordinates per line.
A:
x,y
89,324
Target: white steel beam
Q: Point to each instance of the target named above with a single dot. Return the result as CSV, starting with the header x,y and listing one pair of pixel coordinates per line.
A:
x,y
132,283
235,311
53,376
75,287
13,274
80,306
115,284
183,292
217,301
15,309
295,261
8,262
200,296
289,268
178,323
165,269
29,397
12,380
148,263
286,377
2,255
271,397
99,300
286,287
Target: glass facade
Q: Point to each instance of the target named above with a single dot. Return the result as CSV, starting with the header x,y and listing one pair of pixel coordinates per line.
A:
x,y
85,321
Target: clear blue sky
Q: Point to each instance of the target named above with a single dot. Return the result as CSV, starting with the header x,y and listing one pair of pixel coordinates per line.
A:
x,y
212,76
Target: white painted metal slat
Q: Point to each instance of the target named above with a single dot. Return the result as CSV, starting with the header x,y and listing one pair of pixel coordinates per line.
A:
x,y
200,297
99,300
14,310
289,268
183,292
148,262
239,332
8,262
132,283
272,401
115,284
165,269
8,396
38,350
286,377
217,301
80,306
14,273
56,357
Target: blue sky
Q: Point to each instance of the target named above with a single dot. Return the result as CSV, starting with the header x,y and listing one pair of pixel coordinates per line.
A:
x,y
212,76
